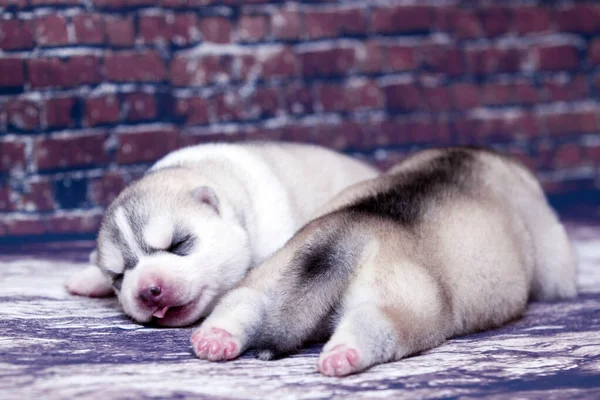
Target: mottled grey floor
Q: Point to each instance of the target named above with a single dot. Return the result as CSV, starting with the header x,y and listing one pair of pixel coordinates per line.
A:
x,y
53,345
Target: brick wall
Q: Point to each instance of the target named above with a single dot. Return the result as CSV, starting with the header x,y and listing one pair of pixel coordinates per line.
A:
x,y
93,91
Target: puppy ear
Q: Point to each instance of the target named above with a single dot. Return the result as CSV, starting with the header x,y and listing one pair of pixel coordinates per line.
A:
x,y
207,195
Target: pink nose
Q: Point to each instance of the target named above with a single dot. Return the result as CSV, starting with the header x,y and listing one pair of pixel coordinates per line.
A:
x,y
151,295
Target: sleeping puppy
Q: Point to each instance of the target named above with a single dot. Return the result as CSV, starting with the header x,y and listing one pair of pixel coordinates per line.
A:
x,y
448,242
175,241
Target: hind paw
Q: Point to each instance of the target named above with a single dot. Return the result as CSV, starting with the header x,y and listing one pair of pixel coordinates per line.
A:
x,y
215,344
339,361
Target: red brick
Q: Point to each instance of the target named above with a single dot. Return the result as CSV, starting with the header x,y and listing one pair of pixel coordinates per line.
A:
x,y
14,3
38,197
531,19
82,70
138,66
280,62
299,99
496,21
526,93
493,61
497,94
403,97
194,110
59,111
102,110
465,96
557,58
7,202
526,125
402,19
297,133
491,128
264,102
464,24
12,155
437,98
521,156
56,2
179,29
286,24
579,18
228,107
371,58
12,72
401,58
592,154
152,28
51,30
52,72
253,28
74,223
105,189
113,4
215,29
336,61
569,123
89,28
594,52
23,115
567,90
120,31
15,34
328,135
320,24
145,146
352,21
139,106
198,71
354,95
568,156
50,153
21,226
440,58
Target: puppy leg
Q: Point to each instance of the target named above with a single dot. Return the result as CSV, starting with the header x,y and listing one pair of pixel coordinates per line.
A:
x,y
282,303
229,329
90,281
393,308
364,337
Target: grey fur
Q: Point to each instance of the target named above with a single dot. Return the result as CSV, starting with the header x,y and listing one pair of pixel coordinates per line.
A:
x,y
450,241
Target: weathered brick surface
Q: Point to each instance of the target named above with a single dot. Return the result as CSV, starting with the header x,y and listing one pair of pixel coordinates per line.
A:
x,y
16,34
12,72
93,92
51,153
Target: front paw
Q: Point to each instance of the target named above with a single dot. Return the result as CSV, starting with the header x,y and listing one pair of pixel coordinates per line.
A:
x,y
215,344
89,282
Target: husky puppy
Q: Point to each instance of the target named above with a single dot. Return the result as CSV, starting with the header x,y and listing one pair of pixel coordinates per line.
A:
x,y
176,240
448,242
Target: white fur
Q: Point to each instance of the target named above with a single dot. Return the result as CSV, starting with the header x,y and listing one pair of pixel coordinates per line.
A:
x,y
159,232
89,282
265,193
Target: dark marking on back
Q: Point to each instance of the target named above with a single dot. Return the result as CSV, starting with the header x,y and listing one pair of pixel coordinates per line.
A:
x,y
316,258
404,201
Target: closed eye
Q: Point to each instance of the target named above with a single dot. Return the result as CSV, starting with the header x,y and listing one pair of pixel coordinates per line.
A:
x,y
117,281
181,247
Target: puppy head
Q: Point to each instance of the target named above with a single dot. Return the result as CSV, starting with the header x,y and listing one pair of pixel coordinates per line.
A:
x,y
171,246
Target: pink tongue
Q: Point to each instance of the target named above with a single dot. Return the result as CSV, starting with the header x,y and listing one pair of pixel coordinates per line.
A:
x,y
161,313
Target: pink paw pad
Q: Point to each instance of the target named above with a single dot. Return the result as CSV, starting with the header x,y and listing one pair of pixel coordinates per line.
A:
x,y
214,345
339,361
